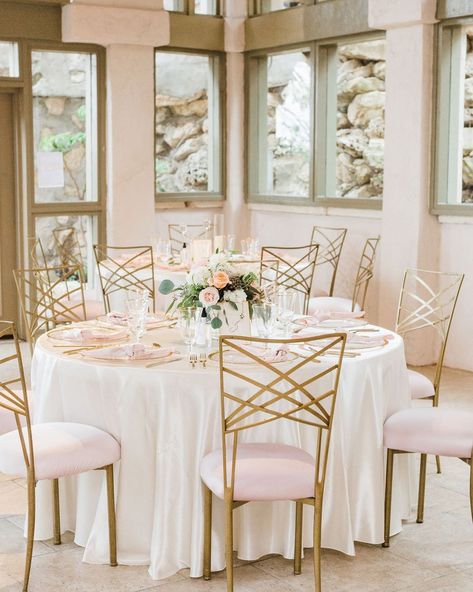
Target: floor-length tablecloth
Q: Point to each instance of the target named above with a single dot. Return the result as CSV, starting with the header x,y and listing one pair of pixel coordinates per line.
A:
x,y
167,418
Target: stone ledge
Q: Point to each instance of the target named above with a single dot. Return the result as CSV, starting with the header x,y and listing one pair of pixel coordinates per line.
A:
x,y
106,25
188,205
395,14
316,210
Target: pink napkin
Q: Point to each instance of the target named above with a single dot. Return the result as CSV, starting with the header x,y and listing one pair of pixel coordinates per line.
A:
x,y
169,267
121,318
320,316
133,263
273,354
129,351
88,335
368,340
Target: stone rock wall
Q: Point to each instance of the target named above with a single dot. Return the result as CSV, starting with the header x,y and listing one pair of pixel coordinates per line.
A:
x,y
182,143
467,168
360,119
288,126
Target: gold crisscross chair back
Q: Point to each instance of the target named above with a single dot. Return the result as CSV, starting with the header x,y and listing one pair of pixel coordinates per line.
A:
x,y
49,296
194,231
330,241
290,267
68,248
300,389
365,272
37,253
125,268
13,392
427,301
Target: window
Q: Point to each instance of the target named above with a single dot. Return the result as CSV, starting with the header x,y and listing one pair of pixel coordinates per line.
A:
x,y
453,188
9,66
360,100
67,150
209,7
263,6
64,126
280,138
317,134
50,229
188,125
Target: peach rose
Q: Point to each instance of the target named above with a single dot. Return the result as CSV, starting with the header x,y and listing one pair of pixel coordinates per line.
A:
x,y
220,280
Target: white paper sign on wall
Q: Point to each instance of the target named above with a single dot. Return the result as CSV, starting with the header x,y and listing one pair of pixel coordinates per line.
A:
x,y
50,170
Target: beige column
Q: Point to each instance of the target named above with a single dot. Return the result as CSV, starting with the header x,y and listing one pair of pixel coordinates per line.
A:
x,y
237,220
129,29
410,234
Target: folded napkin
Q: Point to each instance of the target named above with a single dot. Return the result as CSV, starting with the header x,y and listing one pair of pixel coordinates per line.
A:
x,y
320,316
171,267
129,351
121,318
80,335
274,354
368,340
133,262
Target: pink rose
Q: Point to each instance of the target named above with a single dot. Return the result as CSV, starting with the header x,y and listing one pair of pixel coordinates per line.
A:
x,y
209,296
220,279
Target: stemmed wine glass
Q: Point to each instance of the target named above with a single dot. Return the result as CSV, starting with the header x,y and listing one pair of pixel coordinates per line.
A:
x,y
285,303
137,304
264,317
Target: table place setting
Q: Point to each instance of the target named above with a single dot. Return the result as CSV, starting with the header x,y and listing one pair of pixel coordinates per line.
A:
x,y
88,334
152,320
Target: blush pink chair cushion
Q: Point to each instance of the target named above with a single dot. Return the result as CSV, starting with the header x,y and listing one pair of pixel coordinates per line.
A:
x,y
330,304
264,472
93,309
436,430
60,449
419,385
319,293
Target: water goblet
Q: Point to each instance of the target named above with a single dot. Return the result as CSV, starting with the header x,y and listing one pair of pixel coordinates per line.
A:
x,y
264,316
285,302
230,243
137,303
187,320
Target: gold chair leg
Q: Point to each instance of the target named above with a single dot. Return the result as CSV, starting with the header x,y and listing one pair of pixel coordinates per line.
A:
x,y
298,538
317,545
112,523
56,513
439,466
421,498
388,497
207,533
30,530
229,540
471,487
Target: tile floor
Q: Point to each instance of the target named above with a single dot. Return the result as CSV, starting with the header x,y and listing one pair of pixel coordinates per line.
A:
x,y
436,556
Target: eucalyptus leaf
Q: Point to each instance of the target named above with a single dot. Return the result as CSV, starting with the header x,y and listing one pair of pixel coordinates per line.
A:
x,y
216,323
166,287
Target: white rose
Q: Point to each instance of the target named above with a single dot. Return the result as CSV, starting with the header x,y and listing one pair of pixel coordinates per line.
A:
x,y
199,276
218,261
236,296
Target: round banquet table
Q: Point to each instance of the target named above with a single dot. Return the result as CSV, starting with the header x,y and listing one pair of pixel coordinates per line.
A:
x,y
167,418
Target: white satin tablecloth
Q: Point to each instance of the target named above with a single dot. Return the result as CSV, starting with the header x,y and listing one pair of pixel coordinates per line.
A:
x,y
167,418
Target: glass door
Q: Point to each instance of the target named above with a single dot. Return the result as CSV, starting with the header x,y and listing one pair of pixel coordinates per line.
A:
x,y
68,152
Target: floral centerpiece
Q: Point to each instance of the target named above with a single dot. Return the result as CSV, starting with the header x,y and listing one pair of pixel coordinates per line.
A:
x,y
218,287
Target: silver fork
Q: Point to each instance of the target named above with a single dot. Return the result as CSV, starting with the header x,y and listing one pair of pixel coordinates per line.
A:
x,y
193,359
203,359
